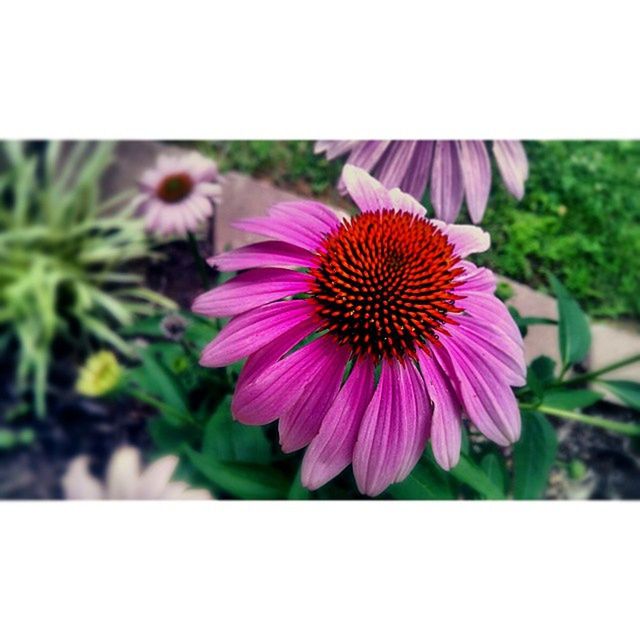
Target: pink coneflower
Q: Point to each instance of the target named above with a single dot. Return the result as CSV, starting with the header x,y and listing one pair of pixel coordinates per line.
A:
x,y
366,336
178,194
458,169
126,480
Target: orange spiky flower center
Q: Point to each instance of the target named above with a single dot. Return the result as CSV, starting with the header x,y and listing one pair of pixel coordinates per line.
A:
x,y
384,284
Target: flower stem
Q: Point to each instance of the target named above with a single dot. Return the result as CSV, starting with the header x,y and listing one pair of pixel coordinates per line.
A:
x,y
591,375
627,428
201,264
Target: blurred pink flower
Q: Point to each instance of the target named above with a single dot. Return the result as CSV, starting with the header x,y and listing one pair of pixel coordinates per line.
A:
x,y
125,480
387,291
458,169
178,194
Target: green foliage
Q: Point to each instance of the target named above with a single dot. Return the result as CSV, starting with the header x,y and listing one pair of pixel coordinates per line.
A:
x,y
626,390
63,253
533,456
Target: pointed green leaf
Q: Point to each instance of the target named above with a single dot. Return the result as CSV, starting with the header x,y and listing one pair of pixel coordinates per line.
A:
x,y
533,456
471,474
570,398
626,390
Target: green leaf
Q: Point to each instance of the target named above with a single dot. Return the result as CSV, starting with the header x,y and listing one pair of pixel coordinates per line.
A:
x,y
427,481
242,480
540,374
469,473
228,440
493,465
533,456
626,390
570,398
574,334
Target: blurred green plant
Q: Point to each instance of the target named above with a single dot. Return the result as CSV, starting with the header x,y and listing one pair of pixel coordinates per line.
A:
x,y
63,253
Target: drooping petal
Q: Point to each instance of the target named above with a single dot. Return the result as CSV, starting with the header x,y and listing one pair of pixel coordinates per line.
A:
x,y
417,175
488,401
446,181
476,279
512,164
488,309
331,450
272,253
446,421
466,238
396,162
365,191
394,429
334,148
494,348
252,330
365,155
301,422
264,358
307,215
249,290
261,399
476,176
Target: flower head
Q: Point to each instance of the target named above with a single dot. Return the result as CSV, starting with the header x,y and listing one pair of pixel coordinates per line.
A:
x,y
179,193
366,336
99,375
459,169
125,480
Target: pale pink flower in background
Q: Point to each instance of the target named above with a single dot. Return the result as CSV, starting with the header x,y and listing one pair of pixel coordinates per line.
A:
x,y
126,480
367,336
454,170
178,194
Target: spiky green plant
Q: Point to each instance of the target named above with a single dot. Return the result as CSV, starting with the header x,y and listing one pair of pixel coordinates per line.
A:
x,y
62,257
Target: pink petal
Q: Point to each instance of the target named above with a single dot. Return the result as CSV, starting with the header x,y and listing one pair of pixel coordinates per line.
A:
x,y
331,449
404,202
466,238
334,148
476,176
299,424
252,330
306,214
489,310
272,253
416,178
394,429
512,164
249,290
487,400
476,279
264,398
446,422
365,155
79,484
446,181
365,191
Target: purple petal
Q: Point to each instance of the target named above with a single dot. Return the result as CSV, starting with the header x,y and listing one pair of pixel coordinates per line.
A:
x,y
300,424
396,162
331,450
476,279
417,176
489,310
394,429
254,329
250,290
512,164
476,176
334,148
446,422
264,398
487,400
302,223
446,181
365,155
272,253
466,238
365,191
